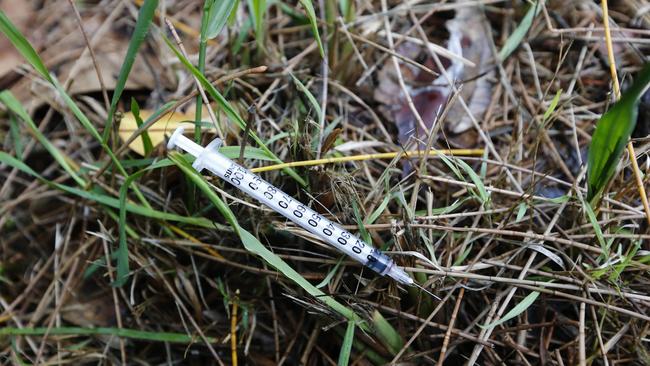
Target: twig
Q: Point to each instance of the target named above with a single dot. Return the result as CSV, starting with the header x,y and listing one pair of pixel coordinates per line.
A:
x,y
389,155
454,314
233,329
107,103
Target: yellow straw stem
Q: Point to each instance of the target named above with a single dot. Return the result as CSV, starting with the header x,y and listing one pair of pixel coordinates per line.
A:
x,y
390,155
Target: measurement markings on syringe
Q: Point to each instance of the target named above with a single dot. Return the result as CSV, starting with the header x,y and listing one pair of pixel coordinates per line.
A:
x,y
209,158
304,216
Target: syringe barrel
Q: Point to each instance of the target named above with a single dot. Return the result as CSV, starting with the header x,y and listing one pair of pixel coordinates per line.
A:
x,y
211,159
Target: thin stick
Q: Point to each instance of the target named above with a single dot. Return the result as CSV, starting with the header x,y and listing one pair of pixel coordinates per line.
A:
x,y
454,314
233,329
107,103
581,336
389,155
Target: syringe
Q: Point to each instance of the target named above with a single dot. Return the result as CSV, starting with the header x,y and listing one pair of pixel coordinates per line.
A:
x,y
251,184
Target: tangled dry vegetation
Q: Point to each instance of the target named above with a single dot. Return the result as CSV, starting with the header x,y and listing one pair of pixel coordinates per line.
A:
x,y
526,273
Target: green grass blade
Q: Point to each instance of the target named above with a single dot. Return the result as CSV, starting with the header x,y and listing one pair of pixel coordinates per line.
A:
x,y
118,332
312,100
379,210
16,139
15,107
519,33
218,15
552,106
313,21
123,249
386,333
254,246
230,111
146,140
346,347
611,136
23,46
103,199
593,220
258,10
145,17
518,309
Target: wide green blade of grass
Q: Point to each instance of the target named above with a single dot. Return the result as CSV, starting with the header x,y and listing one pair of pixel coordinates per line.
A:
x,y
218,14
519,33
346,346
23,46
258,10
387,333
146,140
611,136
145,17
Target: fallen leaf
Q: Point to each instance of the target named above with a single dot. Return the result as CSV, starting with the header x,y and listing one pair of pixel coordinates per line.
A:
x,y
157,132
468,26
430,94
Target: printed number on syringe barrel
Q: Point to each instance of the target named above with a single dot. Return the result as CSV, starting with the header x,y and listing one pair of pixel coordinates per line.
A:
x,y
302,215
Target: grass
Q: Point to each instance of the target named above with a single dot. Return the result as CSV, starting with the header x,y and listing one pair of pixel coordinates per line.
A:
x,y
110,257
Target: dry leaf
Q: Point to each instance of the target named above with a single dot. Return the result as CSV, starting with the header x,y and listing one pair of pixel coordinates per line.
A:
x,y
468,27
164,126
429,94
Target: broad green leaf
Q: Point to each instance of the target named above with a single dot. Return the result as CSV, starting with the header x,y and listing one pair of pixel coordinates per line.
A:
x,y
386,333
218,15
145,16
518,309
519,33
23,46
611,136
346,347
